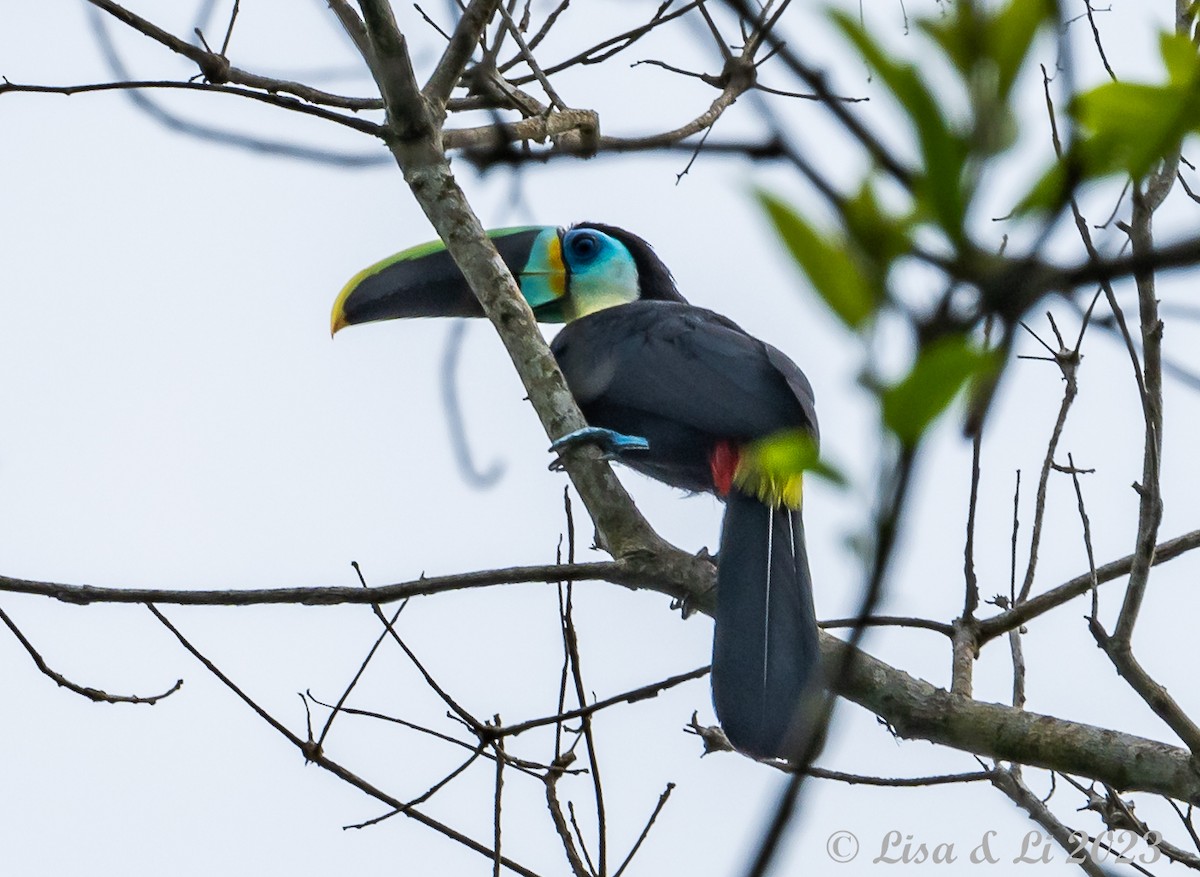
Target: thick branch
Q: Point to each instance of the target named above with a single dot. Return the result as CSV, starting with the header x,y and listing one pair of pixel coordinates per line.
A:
x,y
585,124
408,112
418,152
322,596
914,708
622,528
917,710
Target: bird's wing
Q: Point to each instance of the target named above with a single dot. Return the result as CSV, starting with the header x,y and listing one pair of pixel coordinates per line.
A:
x,y
687,364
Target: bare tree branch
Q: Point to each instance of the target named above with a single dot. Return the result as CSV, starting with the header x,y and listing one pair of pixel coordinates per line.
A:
x,y
458,53
314,755
282,101
217,69
989,628
93,694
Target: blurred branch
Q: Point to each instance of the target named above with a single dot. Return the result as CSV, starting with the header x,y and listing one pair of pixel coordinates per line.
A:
x,y
224,137
479,479
892,486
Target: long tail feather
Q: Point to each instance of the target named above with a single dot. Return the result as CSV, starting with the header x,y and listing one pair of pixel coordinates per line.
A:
x,y
766,655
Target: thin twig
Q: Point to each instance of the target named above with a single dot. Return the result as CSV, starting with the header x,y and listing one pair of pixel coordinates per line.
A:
x,y
1011,785
578,867
215,67
320,596
1068,365
854,779
496,807
890,621
282,101
637,845
571,640
645,692
333,767
93,694
362,668
989,628
477,727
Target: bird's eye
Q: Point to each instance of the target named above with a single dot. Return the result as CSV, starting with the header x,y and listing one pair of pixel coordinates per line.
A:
x,y
584,246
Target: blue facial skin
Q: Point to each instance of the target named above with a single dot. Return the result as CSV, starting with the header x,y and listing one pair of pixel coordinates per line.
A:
x,y
601,271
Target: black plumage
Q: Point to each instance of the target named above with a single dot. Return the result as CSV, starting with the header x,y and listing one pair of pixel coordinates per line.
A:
x,y
687,379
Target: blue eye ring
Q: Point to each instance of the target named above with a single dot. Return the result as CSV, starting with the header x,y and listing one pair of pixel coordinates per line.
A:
x,y
584,245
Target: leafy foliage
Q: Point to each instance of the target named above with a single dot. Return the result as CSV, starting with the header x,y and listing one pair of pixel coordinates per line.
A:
x,y
841,281
940,371
1119,128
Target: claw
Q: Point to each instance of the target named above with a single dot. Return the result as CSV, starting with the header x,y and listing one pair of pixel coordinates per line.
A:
x,y
611,443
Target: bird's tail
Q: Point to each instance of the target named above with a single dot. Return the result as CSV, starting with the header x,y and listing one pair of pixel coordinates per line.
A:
x,y
766,654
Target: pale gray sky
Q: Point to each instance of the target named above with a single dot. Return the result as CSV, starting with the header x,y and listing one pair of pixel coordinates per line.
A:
x,y
175,415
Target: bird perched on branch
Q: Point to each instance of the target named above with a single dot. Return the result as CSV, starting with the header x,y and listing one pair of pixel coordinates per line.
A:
x,y
681,394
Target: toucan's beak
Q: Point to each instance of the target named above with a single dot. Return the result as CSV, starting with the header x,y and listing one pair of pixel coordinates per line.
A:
x,y
424,281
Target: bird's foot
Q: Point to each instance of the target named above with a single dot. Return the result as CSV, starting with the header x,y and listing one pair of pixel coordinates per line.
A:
x,y
612,444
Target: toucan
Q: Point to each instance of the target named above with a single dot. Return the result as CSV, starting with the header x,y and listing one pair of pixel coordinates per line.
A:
x,y
685,396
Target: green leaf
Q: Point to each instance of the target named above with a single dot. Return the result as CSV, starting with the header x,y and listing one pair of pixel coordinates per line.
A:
x,y
879,236
1179,57
793,451
1011,34
1046,193
941,370
943,152
1130,126
830,473
834,273
974,39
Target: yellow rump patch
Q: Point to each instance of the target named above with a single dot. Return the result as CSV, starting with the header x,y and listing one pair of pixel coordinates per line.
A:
x,y
772,468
